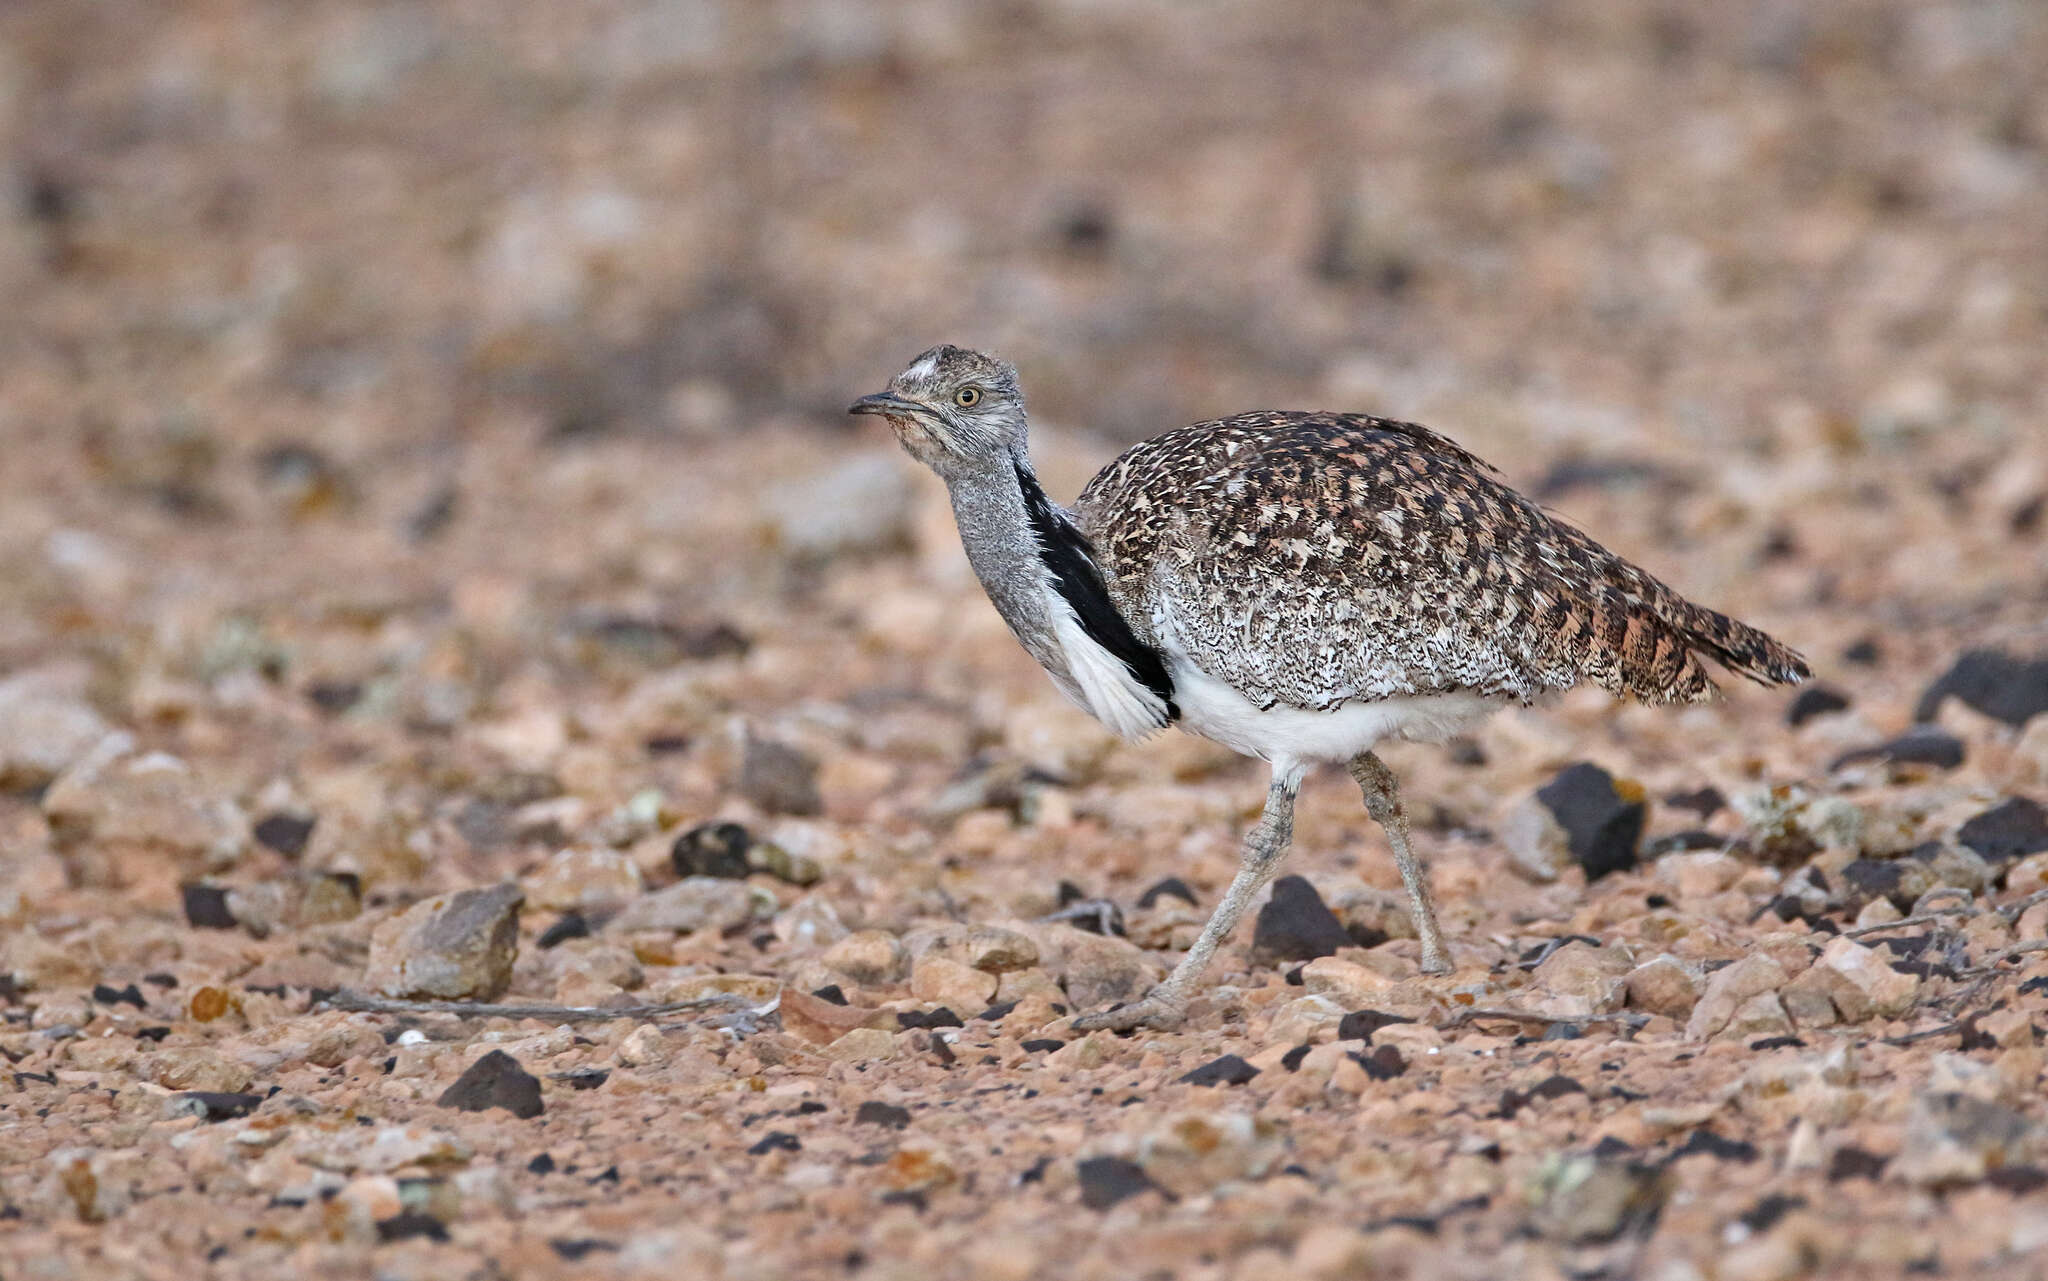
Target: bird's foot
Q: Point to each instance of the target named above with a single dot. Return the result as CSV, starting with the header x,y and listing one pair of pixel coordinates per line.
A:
x,y
1435,963
1157,1010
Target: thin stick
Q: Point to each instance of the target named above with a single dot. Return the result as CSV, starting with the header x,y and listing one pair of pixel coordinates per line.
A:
x,y
1625,1018
359,1003
2013,911
1937,916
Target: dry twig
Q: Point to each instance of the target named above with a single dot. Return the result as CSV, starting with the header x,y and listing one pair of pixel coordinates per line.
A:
x,y
361,1003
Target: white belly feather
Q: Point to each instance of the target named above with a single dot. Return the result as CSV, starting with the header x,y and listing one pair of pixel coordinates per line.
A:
x,y
1103,687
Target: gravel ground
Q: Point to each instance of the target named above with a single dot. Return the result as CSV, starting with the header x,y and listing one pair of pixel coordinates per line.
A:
x,y
434,566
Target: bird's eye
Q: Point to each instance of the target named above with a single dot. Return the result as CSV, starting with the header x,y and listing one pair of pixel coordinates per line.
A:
x,y
967,397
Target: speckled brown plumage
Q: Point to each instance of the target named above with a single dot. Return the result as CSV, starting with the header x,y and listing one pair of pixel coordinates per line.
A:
x,y
1313,560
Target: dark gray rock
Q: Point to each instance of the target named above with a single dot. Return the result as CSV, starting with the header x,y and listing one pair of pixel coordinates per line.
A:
x,y
1998,684
1108,1180
2015,829
1815,700
1603,827
779,778
495,1081
1296,925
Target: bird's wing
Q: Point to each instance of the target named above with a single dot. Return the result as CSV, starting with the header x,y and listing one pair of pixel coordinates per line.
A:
x,y
1312,560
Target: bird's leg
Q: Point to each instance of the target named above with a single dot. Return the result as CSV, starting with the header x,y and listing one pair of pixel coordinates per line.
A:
x,y
1264,848
1383,802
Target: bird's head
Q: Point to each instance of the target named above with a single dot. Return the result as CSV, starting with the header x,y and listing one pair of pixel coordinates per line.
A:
x,y
956,411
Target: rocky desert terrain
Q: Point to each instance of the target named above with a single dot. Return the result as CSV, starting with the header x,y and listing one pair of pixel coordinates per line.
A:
x,y
500,777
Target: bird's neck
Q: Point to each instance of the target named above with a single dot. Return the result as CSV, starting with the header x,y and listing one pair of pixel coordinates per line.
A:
x,y
990,507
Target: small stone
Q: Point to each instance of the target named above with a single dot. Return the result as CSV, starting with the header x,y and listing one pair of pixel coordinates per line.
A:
x,y
1580,978
1359,1025
1815,700
1227,1070
1170,887
1728,989
2001,686
871,958
584,879
1861,983
712,849
1345,982
285,833
206,907
886,1115
997,950
1602,817
495,1081
641,1047
212,1105
1664,985
1537,845
1109,1180
1582,1199
451,947
1921,745
1098,970
1954,1138
947,982
1762,1015
778,778
1296,925
2008,831
45,726
862,1045
797,869
695,903
1901,881
1189,1153
148,804
201,1070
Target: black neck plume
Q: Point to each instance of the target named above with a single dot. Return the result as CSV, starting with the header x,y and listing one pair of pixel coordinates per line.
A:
x,y
1066,553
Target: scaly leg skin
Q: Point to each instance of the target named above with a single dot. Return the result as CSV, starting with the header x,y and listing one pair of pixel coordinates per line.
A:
x,y
1265,846
1383,802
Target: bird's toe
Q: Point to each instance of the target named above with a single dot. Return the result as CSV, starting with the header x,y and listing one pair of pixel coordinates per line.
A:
x,y
1157,1012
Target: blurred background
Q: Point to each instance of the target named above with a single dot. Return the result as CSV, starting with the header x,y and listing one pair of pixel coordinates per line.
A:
x,y
383,383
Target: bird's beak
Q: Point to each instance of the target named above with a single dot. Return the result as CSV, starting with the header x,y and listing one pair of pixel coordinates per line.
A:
x,y
888,404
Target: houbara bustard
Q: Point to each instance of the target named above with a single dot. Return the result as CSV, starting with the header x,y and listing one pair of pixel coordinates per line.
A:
x,y
1297,587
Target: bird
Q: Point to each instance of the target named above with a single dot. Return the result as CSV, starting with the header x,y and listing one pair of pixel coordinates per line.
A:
x,y
1298,587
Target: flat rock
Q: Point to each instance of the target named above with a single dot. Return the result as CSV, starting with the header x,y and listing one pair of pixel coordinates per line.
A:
x,y
692,904
1296,925
584,878
495,1081
457,946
